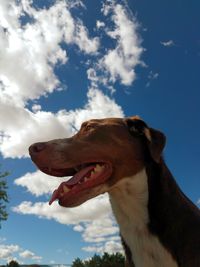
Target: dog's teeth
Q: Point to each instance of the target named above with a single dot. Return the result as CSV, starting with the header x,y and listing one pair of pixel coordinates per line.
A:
x,y
66,189
86,178
92,174
98,168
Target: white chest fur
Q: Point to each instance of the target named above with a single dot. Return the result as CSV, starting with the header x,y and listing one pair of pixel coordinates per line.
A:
x,y
129,200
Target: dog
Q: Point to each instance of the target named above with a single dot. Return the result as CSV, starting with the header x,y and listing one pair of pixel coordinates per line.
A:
x,y
159,225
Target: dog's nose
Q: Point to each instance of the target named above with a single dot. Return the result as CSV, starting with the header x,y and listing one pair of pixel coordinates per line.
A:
x,y
37,147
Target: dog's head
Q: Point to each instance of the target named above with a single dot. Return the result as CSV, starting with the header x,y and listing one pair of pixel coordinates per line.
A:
x,y
101,153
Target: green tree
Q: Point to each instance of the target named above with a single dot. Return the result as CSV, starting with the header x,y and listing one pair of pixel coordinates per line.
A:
x,y
13,264
107,260
95,261
112,260
78,263
3,197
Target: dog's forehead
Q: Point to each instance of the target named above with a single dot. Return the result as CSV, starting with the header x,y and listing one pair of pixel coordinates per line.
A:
x,y
105,121
111,121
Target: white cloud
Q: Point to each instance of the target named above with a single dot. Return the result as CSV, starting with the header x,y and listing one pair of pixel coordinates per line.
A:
x,y
152,76
113,247
9,252
121,61
39,183
36,108
96,231
82,40
168,43
92,76
93,209
110,246
78,228
6,251
27,254
35,48
103,234
118,63
21,128
29,48
100,24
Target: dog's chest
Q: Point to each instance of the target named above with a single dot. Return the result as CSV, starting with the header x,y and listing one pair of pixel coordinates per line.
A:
x,y
129,200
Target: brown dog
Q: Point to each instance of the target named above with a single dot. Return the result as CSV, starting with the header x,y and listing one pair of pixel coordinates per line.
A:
x,y
159,225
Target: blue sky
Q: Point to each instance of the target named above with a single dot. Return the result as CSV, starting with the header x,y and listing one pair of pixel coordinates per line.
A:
x,y
63,62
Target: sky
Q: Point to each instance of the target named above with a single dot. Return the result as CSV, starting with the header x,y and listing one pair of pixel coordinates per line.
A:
x,y
64,62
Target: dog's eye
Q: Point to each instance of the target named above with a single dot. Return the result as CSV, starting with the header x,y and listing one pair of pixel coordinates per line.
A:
x,y
136,127
87,127
136,130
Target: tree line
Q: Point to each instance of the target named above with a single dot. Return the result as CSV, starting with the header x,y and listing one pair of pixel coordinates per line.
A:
x,y
106,260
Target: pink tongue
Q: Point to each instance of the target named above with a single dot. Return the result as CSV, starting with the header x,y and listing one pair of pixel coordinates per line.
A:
x,y
79,175
74,180
53,197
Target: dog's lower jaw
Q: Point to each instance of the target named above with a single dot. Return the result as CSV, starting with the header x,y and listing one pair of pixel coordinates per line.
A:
x,y
129,201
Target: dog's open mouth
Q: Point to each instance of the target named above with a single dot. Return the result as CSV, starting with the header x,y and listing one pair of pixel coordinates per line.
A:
x,y
85,178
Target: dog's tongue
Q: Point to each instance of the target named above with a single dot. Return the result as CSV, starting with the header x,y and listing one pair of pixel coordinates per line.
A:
x,y
73,181
54,196
79,175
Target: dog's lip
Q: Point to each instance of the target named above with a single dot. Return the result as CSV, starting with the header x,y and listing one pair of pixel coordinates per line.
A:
x,y
69,170
58,172
71,191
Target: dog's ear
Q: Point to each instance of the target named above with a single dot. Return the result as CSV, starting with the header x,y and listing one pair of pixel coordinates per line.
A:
x,y
156,144
154,139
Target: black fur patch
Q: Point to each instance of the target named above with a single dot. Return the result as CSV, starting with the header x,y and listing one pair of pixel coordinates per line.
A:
x,y
129,260
174,219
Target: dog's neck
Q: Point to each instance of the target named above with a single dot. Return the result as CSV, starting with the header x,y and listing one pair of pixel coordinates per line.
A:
x,y
129,200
